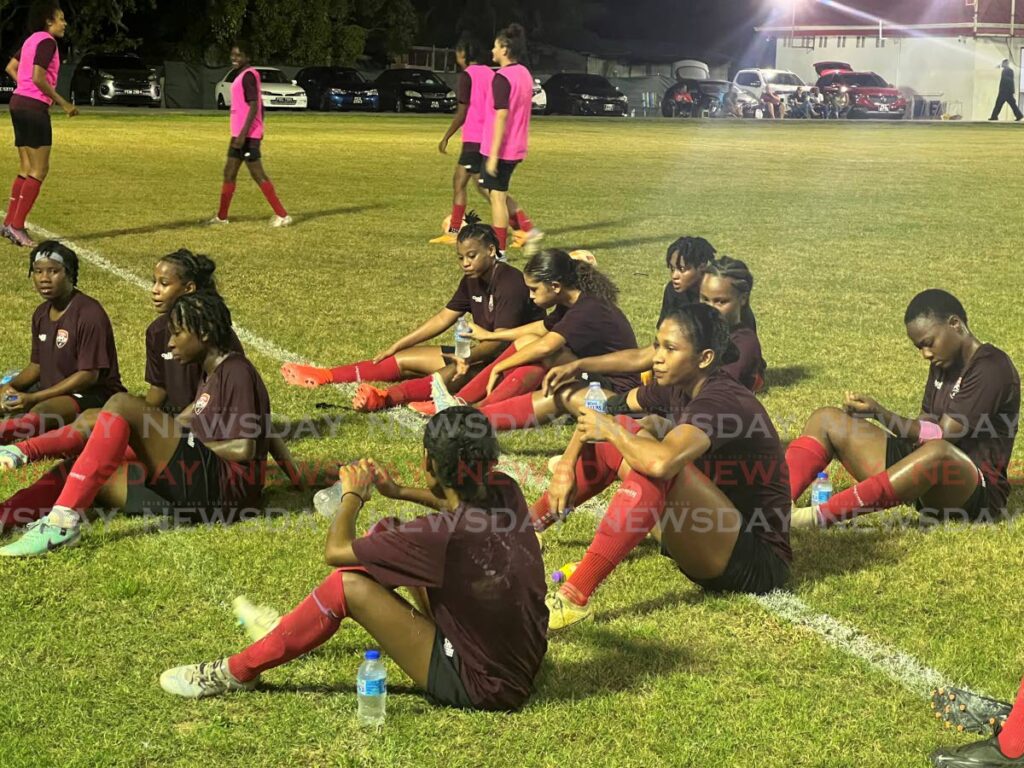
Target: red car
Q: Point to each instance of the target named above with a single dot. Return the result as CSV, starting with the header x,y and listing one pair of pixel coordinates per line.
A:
x,y
860,94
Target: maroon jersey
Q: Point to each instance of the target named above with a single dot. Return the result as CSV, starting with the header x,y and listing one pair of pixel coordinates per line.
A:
x,y
985,398
232,404
179,381
504,302
81,339
484,576
749,369
746,459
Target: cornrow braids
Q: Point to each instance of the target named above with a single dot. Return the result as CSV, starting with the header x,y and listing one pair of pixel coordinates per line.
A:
x,y
60,253
193,268
705,327
461,443
737,273
206,315
556,266
484,233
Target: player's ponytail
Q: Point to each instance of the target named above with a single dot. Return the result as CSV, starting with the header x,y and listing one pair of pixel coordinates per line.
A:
x,y
513,37
556,266
705,327
193,268
474,229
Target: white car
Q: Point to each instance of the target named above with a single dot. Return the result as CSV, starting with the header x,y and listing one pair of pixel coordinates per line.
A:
x,y
540,98
278,91
783,82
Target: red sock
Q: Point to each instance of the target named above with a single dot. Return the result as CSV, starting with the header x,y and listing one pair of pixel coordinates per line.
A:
x,y
630,517
386,370
597,468
411,391
475,389
458,211
805,457
502,234
868,496
516,413
308,625
21,427
267,188
29,192
35,501
66,441
99,459
19,180
524,222
1011,738
519,381
227,191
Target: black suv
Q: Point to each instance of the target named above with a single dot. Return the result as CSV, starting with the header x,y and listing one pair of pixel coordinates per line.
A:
x,y
115,78
414,90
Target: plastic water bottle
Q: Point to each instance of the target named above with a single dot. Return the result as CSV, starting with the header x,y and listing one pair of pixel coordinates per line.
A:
x,y
372,690
462,344
8,377
821,491
596,399
326,501
564,573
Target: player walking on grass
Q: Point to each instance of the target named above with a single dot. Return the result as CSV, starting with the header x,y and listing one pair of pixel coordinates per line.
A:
x,y
73,363
476,637
35,71
712,478
246,138
494,293
951,460
207,463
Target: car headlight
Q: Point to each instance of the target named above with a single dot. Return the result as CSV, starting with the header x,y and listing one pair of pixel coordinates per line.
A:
x,y
105,75
265,93
586,97
450,95
372,92
844,89
153,77
414,94
337,92
622,97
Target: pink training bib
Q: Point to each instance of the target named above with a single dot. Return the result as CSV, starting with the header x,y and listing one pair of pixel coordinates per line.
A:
x,y
240,107
517,127
26,66
476,116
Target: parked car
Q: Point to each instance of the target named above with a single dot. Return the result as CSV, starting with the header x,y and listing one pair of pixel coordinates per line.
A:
x,y
115,78
7,86
277,90
540,98
689,97
414,89
576,93
782,81
337,88
863,94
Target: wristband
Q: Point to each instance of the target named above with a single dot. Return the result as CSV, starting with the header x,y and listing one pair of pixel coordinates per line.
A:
x,y
928,430
362,501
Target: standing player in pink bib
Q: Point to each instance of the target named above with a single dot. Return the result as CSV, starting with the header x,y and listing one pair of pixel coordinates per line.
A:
x,y
507,127
473,90
35,71
246,135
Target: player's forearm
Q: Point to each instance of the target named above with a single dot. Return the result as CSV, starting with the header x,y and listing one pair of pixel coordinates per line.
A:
x,y
622,361
73,384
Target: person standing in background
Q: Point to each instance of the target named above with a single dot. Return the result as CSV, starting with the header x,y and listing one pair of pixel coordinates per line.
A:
x,y
1007,93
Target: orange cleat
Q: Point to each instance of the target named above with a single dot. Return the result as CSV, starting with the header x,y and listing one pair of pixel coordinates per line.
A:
x,y
425,408
308,376
448,238
369,399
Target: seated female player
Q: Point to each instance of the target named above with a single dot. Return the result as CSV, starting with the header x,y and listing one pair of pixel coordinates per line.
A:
x,y
712,477
477,639
209,461
73,365
951,460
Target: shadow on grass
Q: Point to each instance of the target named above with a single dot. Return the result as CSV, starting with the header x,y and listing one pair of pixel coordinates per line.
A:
x,y
169,226
820,554
585,226
786,376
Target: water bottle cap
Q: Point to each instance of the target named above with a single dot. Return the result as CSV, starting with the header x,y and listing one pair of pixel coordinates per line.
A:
x,y
823,475
372,655
595,384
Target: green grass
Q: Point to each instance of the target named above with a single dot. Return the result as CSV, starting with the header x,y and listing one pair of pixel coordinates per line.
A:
x,y
841,224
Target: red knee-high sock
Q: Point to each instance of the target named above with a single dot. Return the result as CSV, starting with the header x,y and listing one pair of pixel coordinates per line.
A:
x,y
31,503
1011,738
475,389
367,370
502,234
29,192
519,381
309,625
516,413
597,468
20,427
867,496
267,188
66,441
19,180
411,391
630,517
523,221
227,191
458,212
102,455
805,457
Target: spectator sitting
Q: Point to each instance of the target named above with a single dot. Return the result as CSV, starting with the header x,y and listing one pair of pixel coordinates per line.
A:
x,y
773,105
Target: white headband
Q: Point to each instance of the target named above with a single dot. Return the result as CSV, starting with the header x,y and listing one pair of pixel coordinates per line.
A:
x,y
49,256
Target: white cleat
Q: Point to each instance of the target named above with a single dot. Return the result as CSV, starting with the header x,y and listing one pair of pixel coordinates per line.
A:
x,y
197,681
281,221
256,620
216,220
11,457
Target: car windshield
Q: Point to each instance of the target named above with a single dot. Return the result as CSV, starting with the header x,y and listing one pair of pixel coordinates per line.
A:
x,y
588,83
118,62
862,80
783,78
418,77
347,77
273,76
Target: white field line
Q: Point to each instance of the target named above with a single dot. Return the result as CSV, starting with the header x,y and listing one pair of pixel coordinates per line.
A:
x,y
900,667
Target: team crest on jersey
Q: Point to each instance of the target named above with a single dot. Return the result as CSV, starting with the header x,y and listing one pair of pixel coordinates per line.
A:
x,y
62,339
42,337
201,403
167,355
478,299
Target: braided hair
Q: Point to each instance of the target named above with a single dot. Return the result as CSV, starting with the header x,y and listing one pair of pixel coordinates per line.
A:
x,y
193,268
690,252
935,304
63,254
705,327
483,233
206,315
556,266
460,442
737,273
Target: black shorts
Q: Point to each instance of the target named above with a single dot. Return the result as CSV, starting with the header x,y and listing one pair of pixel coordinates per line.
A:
x,y
977,506
444,681
189,487
249,151
89,400
471,159
32,128
754,568
500,182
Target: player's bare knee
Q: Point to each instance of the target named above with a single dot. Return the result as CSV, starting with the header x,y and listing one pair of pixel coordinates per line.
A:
x,y
357,588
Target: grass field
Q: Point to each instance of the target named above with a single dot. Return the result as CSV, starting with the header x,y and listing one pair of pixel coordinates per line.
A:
x,y
841,225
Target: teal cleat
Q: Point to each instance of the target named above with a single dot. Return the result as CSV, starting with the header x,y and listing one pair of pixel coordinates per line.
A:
x,y
443,399
41,538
